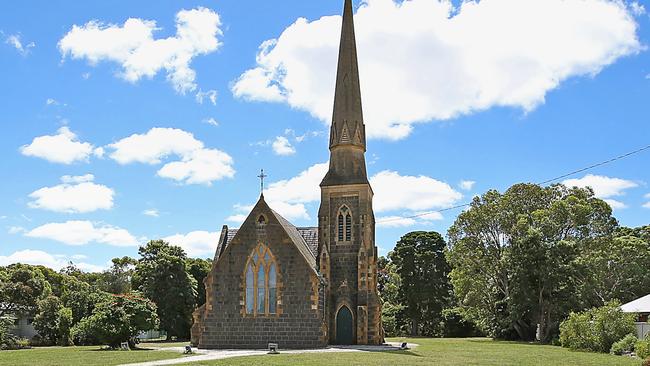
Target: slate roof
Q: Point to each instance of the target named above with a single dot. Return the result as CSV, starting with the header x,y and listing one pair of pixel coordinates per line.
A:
x,y
303,237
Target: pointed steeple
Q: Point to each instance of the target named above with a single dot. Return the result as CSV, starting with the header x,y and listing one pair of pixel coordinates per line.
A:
x,y
347,97
348,133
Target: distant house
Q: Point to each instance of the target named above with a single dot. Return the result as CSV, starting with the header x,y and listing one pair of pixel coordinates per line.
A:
x,y
24,328
642,308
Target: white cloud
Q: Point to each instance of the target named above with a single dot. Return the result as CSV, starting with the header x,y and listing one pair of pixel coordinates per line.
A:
x,y
282,146
196,243
210,94
201,167
418,218
397,192
75,195
16,230
63,148
41,258
151,212
395,221
197,164
289,197
134,48
15,42
646,205
71,179
466,185
83,232
637,9
237,218
51,101
604,187
211,121
155,145
423,60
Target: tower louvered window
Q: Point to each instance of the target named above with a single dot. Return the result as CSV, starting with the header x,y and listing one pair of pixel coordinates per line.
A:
x,y
348,227
344,226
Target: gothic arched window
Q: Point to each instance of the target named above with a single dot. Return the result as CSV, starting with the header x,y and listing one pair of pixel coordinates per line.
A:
x,y
344,226
261,282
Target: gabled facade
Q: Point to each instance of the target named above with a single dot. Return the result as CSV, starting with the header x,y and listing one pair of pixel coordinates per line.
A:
x,y
304,287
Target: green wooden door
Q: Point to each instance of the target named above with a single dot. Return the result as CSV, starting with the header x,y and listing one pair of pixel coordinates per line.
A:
x,y
344,326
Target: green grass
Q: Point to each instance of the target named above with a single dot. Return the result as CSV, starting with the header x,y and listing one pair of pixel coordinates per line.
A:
x,y
444,352
79,356
439,352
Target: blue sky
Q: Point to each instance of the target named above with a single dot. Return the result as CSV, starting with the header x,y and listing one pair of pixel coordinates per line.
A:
x,y
117,132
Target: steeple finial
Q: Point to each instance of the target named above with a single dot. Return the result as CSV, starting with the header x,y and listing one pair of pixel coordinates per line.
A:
x,y
347,118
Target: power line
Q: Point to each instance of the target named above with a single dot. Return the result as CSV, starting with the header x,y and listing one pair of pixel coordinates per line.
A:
x,y
609,161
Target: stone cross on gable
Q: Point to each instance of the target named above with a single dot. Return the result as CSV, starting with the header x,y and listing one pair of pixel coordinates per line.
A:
x,y
262,176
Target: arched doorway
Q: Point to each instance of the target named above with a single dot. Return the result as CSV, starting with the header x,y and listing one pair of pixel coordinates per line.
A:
x,y
344,326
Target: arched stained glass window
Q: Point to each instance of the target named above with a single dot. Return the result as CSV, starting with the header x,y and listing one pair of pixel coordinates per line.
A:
x,y
250,289
272,289
340,227
261,282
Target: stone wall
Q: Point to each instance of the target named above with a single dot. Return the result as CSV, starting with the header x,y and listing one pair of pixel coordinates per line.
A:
x,y
223,322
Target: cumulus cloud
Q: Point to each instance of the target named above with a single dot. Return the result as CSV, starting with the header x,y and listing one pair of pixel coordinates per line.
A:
x,y
75,195
647,204
197,164
133,47
41,258
282,146
63,148
604,187
15,41
417,193
84,232
196,243
423,60
16,230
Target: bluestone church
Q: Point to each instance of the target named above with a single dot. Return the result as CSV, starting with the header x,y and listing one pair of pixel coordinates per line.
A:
x,y
304,287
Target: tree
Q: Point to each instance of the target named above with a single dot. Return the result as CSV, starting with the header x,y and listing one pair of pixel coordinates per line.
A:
x,y
199,269
119,319
117,280
425,291
53,322
81,298
618,270
515,257
161,275
392,312
21,287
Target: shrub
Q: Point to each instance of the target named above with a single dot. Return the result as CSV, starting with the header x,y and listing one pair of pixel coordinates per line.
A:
x,y
118,320
646,362
642,348
596,329
626,344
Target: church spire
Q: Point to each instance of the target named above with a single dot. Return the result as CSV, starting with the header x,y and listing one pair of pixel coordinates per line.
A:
x,y
347,119
348,132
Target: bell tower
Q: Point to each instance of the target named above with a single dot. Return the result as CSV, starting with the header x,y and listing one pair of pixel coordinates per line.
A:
x,y
346,245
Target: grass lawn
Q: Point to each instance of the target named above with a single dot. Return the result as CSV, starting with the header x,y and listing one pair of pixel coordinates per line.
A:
x,y
444,352
81,356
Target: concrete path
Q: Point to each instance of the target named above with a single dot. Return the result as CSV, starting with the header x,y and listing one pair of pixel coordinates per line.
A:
x,y
208,355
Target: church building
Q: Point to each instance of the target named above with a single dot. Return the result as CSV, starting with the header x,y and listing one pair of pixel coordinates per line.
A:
x,y
304,287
